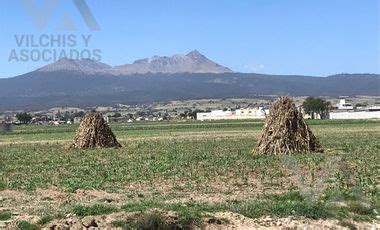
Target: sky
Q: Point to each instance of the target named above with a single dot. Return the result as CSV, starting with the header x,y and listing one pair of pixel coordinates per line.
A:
x,y
317,38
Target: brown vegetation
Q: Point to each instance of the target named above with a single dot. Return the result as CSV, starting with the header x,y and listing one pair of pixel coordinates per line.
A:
x,y
94,132
285,131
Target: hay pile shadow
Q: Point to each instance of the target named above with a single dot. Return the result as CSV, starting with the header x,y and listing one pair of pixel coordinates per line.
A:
x,y
285,131
94,132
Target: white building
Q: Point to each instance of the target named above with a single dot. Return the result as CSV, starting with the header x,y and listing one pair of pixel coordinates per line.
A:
x,y
249,113
256,112
346,111
343,105
355,115
365,113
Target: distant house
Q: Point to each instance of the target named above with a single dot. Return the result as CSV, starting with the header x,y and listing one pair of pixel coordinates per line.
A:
x,y
346,111
77,120
355,115
248,113
343,105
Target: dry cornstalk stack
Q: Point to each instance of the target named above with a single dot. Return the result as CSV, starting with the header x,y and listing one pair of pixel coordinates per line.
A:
x,y
94,132
285,131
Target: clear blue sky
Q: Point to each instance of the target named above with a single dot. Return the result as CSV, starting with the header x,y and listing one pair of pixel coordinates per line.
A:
x,y
319,38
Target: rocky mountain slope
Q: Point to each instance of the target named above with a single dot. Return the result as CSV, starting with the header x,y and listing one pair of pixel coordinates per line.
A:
x,y
192,76
85,66
193,62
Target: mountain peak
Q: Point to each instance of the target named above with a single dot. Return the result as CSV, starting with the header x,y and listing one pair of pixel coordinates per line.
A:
x,y
194,53
193,62
197,56
86,65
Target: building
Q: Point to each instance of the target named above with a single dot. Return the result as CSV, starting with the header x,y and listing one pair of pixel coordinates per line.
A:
x,y
248,113
344,110
343,105
77,120
365,113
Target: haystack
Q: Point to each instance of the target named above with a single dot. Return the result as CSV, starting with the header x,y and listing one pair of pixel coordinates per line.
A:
x,y
94,132
285,131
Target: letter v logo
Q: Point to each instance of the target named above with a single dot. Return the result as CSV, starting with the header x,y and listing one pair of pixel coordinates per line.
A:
x,y
41,15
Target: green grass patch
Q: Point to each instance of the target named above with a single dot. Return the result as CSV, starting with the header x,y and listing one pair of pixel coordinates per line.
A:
x,y
124,224
154,220
45,219
277,205
25,225
93,210
5,216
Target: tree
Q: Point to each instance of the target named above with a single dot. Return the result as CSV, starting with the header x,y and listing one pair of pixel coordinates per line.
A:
x,y
24,118
193,114
130,116
117,114
313,106
79,114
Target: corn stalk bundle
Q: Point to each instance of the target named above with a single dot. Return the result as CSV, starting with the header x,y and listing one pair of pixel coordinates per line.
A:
x,y
94,132
285,131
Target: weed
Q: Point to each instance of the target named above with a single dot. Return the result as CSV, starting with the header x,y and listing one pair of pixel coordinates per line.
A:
x,y
124,224
359,207
5,216
95,209
25,225
45,219
152,220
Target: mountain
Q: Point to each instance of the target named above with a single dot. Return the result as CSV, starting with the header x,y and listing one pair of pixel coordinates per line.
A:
x,y
85,66
193,62
192,76
42,89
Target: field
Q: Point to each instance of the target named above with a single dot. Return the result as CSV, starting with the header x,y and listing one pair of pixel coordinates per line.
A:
x,y
189,174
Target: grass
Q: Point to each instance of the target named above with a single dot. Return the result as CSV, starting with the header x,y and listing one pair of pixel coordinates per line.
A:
x,y
170,161
151,220
5,216
25,225
93,210
124,224
45,219
283,205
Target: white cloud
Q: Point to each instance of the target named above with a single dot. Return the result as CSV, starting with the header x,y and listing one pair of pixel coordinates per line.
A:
x,y
254,67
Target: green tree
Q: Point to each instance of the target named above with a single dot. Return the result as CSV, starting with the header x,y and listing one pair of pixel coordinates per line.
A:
x,y
24,117
79,114
193,114
313,106
117,114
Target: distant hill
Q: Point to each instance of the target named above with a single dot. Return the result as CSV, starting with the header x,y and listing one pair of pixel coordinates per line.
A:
x,y
45,89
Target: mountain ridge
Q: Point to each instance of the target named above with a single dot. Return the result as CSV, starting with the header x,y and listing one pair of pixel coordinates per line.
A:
x,y
87,66
43,90
87,82
193,62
